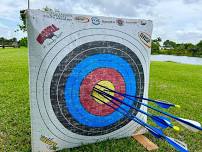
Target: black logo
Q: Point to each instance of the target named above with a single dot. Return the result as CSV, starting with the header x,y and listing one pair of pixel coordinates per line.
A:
x,y
145,38
120,22
143,22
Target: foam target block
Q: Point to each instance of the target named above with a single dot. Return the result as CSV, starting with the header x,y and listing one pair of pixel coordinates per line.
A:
x,y
68,56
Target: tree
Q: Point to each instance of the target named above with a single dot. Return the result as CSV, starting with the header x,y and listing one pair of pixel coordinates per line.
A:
x,y
23,42
158,39
155,45
2,42
47,9
13,39
199,45
199,48
180,49
169,43
22,26
189,46
8,42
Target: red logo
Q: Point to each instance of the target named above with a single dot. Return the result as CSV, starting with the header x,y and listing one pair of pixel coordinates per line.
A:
x,y
47,33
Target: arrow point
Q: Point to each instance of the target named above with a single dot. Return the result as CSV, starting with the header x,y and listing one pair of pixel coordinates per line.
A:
x,y
176,128
177,106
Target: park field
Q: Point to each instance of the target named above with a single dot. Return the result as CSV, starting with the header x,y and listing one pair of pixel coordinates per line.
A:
x,y
179,83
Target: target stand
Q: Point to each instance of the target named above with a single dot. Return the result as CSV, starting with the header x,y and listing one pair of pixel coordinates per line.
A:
x,y
71,54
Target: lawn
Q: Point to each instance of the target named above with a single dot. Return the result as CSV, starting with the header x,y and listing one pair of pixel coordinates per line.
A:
x,y
179,83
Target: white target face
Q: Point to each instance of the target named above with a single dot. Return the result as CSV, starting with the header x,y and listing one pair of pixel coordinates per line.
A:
x,y
69,56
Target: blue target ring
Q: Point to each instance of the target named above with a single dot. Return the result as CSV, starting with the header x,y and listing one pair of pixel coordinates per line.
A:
x,y
82,69
71,101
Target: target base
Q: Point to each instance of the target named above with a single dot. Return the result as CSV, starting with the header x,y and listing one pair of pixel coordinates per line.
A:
x,y
149,145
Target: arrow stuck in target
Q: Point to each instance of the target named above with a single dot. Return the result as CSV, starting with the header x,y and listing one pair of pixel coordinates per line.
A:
x,y
161,121
187,123
162,104
178,145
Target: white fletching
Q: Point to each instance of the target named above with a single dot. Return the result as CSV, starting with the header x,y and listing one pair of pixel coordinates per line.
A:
x,y
188,126
181,144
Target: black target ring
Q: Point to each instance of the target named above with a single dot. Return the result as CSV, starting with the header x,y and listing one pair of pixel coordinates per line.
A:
x,y
58,81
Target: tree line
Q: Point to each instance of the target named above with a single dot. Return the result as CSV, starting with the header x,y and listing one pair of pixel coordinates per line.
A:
x,y
170,47
13,42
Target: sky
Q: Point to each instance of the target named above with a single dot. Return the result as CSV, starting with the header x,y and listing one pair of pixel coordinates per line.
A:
x,y
177,20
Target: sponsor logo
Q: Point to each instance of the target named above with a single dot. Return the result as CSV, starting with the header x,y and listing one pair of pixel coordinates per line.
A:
x,y
108,21
81,19
95,20
52,145
120,22
48,33
145,38
58,16
143,22
131,22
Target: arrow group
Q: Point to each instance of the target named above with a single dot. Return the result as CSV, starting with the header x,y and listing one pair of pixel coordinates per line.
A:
x,y
161,121
162,104
178,145
187,123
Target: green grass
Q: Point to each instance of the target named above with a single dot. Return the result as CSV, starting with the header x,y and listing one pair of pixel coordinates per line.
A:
x,y
179,83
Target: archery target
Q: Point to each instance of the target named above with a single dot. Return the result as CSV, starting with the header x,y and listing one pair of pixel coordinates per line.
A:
x,y
67,61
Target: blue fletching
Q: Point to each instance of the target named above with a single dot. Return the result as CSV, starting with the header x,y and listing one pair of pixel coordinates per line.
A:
x,y
178,145
156,132
165,118
163,123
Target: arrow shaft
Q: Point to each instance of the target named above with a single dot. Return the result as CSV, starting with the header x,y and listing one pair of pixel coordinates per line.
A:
x,y
128,115
154,118
127,95
155,109
148,99
120,101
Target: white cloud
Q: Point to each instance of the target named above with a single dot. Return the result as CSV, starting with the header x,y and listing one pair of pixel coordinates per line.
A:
x,y
192,1
186,35
3,26
169,17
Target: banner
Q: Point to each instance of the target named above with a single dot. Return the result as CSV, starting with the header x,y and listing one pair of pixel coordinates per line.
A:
x,y
68,56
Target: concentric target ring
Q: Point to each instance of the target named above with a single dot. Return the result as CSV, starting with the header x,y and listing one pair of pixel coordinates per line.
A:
x,y
65,87
97,77
50,121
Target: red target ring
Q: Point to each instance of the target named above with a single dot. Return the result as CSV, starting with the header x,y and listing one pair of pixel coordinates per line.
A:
x,y
93,78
